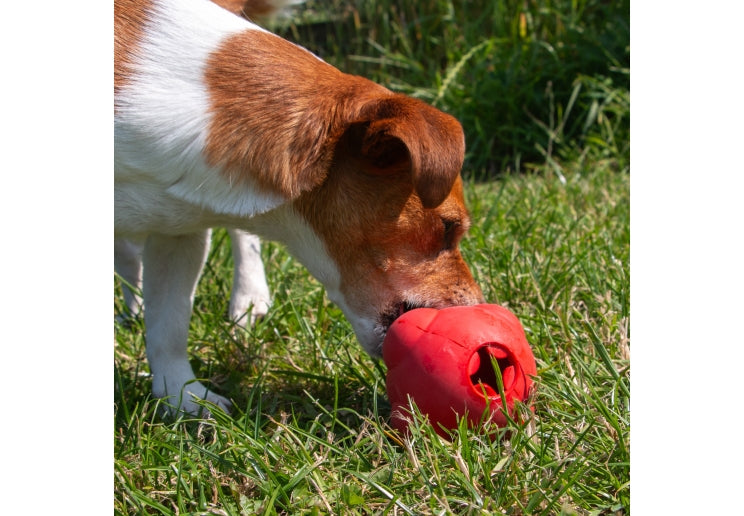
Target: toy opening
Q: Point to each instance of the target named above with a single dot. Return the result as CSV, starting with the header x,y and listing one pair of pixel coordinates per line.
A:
x,y
482,370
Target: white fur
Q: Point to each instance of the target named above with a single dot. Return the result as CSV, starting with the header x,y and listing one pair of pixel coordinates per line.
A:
x,y
172,265
250,298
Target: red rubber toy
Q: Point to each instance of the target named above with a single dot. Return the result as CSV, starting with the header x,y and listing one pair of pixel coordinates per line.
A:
x,y
443,361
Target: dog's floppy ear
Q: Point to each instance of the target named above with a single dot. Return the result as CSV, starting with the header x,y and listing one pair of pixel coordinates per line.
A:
x,y
405,132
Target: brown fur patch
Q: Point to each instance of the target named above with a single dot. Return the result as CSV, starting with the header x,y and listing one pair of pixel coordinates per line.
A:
x,y
278,112
130,17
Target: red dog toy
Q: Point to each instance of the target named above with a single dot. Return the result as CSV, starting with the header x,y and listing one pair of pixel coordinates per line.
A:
x,y
443,359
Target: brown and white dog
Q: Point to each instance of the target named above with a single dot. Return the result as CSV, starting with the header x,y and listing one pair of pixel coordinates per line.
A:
x,y
221,123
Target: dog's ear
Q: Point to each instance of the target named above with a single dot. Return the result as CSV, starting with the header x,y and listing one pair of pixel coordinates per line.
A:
x,y
404,132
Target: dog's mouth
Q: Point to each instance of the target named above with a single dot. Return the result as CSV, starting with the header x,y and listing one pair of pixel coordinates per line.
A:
x,y
388,317
396,311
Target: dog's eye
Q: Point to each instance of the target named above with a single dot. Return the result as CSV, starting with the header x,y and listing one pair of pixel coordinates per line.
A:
x,y
452,230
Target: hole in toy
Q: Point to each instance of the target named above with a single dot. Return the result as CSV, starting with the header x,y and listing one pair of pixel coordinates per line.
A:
x,y
483,375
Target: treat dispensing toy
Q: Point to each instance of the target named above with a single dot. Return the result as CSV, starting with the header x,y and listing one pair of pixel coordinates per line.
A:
x,y
449,361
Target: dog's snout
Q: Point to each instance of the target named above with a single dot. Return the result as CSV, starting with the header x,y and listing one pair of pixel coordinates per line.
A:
x,y
461,297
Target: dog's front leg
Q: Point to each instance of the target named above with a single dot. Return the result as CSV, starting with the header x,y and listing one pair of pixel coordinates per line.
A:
x,y
249,291
171,269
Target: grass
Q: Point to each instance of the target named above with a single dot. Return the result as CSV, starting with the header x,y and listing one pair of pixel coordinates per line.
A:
x,y
547,185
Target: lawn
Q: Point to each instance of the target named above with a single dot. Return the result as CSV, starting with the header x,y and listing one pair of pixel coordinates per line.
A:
x,y
547,183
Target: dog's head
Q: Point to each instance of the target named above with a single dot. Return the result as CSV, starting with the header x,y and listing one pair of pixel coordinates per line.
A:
x,y
391,214
375,176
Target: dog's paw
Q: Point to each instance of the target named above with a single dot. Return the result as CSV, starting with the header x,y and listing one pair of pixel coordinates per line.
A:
x,y
187,399
246,310
192,407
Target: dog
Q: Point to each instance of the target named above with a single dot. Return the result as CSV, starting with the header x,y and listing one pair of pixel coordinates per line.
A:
x,y
218,122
